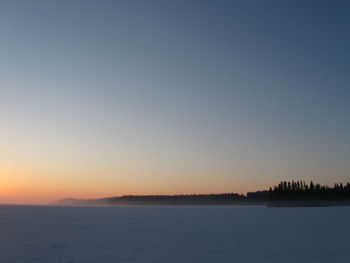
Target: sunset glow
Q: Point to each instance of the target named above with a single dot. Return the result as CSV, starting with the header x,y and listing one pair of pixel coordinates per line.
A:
x,y
100,100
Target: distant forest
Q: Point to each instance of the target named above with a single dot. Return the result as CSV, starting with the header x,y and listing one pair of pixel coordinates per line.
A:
x,y
299,193
299,190
286,193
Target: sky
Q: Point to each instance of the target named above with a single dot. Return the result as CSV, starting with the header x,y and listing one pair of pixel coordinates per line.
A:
x,y
105,98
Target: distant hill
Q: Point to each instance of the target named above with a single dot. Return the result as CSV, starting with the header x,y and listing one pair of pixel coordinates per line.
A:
x,y
193,199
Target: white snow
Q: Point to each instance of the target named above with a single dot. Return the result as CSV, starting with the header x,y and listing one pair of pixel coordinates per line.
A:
x,y
240,234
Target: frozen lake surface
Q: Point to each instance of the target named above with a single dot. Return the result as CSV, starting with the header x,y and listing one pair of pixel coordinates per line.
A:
x,y
174,234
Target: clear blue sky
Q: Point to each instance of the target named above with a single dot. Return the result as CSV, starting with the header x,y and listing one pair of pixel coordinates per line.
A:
x,y
112,97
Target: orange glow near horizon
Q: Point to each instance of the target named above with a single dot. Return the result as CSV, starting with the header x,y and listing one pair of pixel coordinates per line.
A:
x,y
27,185
33,181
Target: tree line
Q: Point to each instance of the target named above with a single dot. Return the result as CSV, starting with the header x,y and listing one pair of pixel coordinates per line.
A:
x,y
285,192
302,191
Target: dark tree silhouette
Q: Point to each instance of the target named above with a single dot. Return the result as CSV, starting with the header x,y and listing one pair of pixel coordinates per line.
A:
x,y
301,191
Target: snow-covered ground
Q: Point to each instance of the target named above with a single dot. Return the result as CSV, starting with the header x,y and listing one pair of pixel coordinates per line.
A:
x,y
174,234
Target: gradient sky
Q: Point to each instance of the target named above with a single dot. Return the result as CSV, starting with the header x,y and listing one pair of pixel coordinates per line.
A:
x,y
102,98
